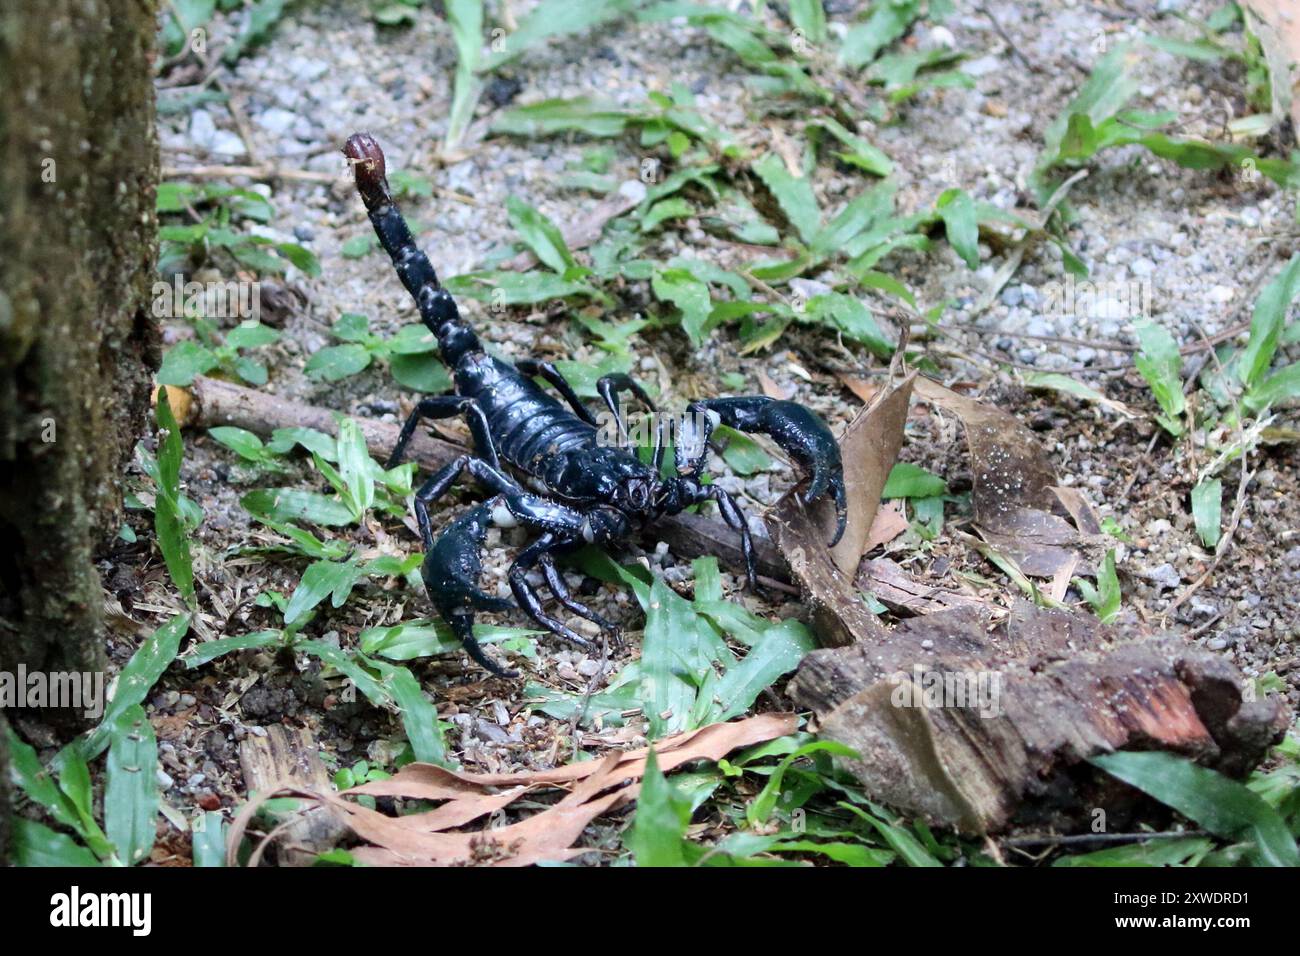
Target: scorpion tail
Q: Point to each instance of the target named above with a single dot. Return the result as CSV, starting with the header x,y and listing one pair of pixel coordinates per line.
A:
x,y
437,307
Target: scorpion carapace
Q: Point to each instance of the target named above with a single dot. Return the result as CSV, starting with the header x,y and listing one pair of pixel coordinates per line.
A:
x,y
581,487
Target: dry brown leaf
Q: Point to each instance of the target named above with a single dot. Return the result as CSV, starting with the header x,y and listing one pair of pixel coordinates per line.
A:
x,y
900,591
422,840
889,523
860,387
1014,494
771,389
1277,24
869,449
584,232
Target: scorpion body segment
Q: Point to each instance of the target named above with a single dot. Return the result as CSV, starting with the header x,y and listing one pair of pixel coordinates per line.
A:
x,y
580,489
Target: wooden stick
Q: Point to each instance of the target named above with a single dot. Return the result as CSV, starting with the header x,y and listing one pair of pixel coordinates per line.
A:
x,y
210,402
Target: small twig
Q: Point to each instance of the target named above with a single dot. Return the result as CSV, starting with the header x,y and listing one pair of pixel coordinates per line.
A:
x,y
1006,38
264,171
1075,838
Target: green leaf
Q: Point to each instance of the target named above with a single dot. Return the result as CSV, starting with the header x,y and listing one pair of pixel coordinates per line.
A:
x,y
657,834
889,20
1267,321
674,207
241,442
466,20
907,846
777,651
581,115
850,316
864,211
742,454
1223,806
292,504
37,845
184,361
858,152
211,650
414,339
356,468
209,839
761,808
1161,852
690,295
1161,365
39,786
173,537
419,717
254,373
677,648
251,335
321,579
794,194
1207,511
410,640
1106,596
131,793
284,439
137,679
420,373
554,18
1283,385
336,362
808,16
540,235
907,480
961,225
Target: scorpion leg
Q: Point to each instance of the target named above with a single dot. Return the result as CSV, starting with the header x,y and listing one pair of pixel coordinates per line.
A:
x,y
549,373
526,594
799,432
451,570
555,580
448,406
609,387
441,481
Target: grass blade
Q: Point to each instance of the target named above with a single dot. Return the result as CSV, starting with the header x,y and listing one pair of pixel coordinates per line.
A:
x,y
131,794
137,679
1225,807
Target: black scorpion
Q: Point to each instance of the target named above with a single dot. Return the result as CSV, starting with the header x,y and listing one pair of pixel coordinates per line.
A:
x,y
583,490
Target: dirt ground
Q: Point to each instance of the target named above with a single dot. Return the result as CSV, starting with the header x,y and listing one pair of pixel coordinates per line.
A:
x,y
1203,240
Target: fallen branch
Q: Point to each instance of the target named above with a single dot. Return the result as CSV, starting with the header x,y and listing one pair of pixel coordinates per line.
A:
x,y
210,402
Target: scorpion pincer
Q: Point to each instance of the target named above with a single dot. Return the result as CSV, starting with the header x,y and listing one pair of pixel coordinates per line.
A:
x,y
580,489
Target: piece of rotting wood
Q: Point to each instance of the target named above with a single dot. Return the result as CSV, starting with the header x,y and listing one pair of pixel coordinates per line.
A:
x,y
290,757
979,724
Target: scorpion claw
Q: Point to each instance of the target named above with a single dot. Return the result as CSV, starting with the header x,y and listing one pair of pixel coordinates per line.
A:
x,y
804,436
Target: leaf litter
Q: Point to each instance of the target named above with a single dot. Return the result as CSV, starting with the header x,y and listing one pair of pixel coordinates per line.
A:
x,y
427,838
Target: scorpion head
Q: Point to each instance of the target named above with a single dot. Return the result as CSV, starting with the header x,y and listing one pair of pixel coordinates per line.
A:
x,y
637,494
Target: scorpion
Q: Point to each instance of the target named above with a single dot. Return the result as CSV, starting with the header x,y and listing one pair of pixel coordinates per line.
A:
x,y
544,462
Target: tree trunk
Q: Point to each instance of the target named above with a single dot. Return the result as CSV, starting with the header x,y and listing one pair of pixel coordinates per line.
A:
x,y
78,173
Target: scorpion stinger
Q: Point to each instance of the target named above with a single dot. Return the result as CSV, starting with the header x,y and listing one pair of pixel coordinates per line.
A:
x,y
583,490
